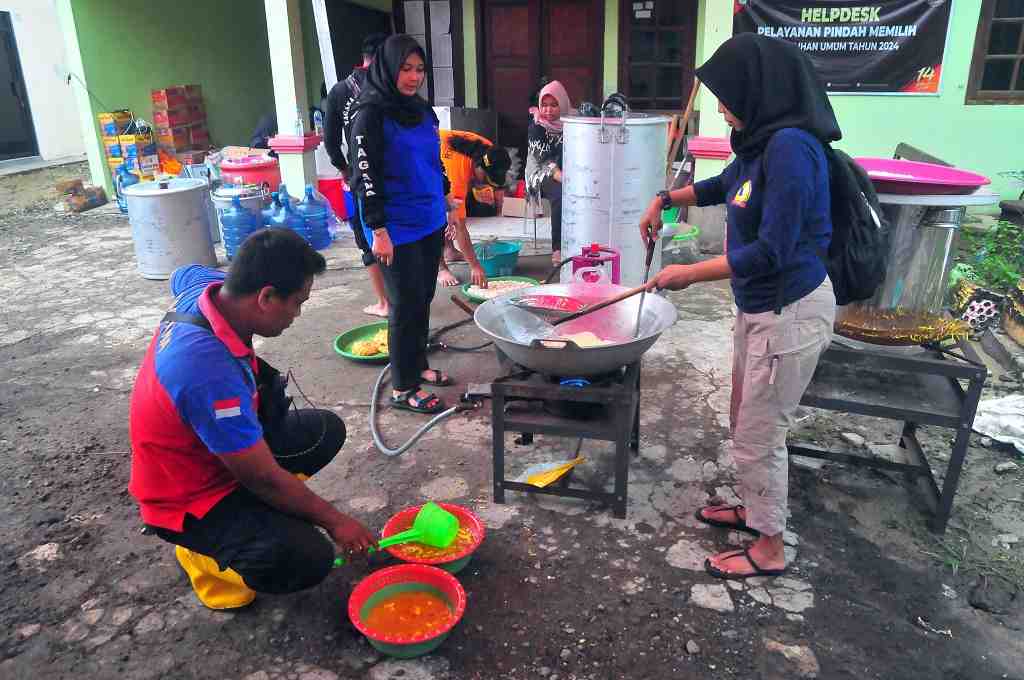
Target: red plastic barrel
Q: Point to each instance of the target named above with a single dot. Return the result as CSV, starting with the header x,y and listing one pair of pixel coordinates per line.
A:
x,y
261,170
333,189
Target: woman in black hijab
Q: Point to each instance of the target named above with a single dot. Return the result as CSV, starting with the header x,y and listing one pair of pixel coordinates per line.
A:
x,y
777,196
400,187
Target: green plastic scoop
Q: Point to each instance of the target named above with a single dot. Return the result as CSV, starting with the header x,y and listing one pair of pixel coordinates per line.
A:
x,y
433,526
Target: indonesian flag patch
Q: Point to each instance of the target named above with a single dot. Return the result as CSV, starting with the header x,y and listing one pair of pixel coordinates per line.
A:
x,y
227,408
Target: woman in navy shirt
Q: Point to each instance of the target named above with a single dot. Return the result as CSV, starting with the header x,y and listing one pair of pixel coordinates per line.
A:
x,y
400,186
777,193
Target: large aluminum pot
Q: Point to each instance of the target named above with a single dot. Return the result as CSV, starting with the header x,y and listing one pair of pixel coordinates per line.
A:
x,y
170,223
553,356
611,168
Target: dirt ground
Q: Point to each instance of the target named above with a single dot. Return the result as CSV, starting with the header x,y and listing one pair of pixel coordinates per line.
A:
x,y
558,590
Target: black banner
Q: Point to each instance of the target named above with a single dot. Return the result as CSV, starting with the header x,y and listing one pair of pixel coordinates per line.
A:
x,y
893,46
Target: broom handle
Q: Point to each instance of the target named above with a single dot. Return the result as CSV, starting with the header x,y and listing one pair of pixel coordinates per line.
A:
x,y
601,305
681,132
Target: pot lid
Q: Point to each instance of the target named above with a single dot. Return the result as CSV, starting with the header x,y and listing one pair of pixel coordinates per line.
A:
x,y
177,185
631,119
229,191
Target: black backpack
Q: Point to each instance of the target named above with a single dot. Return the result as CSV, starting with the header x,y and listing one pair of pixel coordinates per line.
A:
x,y
856,257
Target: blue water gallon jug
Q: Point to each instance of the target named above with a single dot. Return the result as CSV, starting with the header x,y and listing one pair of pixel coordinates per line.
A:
x,y
268,213
316,215
290,219
237,223
122,180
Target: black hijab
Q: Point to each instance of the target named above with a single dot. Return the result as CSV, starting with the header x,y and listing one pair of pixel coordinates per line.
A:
x,y
769,84
381,87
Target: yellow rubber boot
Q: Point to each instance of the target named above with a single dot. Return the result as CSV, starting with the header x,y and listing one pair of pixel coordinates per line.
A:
x,y
215,587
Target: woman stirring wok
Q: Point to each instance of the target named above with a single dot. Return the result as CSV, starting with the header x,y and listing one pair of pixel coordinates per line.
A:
x,y
777,196
400,186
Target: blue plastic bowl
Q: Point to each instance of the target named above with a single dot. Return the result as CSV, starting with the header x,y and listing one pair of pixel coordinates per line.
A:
x,y
498,258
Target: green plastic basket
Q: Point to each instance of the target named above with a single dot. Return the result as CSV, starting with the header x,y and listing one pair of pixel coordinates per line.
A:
x,y
476,298
344,342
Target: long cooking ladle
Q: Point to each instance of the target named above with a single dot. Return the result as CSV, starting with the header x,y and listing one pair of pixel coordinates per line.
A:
x,y
433,526
647,274
601,305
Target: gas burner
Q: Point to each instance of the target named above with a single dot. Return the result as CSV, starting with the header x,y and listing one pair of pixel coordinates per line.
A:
x,y
604,407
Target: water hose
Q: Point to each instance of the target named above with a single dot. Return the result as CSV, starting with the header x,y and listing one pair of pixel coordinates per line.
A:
x,y
375,433
433,342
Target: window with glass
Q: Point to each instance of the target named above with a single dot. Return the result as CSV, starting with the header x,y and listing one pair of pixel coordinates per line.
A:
x,y
657,49
997,69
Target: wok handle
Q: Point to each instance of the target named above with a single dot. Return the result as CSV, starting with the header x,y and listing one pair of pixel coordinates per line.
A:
x,y
461,304
546,343
601,305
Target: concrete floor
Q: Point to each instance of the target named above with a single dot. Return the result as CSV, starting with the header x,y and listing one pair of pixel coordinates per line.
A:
x,y
560,589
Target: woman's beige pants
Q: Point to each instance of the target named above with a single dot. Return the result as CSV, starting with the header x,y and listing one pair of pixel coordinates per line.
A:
x,y
774,357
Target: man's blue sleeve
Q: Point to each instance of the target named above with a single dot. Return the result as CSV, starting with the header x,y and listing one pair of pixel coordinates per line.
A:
x,y
222,412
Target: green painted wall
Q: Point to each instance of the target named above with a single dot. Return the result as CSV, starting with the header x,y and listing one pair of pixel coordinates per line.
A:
x,y
129,49
983,138
469,52
611,46
311,54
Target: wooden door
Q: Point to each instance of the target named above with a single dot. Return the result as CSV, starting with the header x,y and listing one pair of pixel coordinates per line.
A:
x,y
523,41
572,32
17,133
511,65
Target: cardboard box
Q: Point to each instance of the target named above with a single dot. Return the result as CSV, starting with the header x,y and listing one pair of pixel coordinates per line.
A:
x,y
137,150
194,93
114,123
85,199
171,118
192,157
69,186
174,138
169,99
200,136
148,164
112,147
516,207
142,140
197,112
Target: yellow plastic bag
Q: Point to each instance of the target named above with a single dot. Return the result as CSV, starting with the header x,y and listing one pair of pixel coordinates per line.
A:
x,y
552,475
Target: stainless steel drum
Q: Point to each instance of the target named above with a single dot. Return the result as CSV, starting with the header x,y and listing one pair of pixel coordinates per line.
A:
x,y
560,355
170,223
907,308
611,168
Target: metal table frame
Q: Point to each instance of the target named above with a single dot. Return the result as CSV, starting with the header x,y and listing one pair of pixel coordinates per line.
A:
x,y
619,424
920,389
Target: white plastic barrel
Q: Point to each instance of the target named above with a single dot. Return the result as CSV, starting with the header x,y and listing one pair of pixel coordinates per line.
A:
x,y
170,223
611,169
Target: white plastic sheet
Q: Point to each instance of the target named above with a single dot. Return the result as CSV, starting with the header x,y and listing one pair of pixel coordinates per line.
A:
x,y
1002,419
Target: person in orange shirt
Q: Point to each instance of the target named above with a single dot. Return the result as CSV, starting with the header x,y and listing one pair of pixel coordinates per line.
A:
x,y
477,170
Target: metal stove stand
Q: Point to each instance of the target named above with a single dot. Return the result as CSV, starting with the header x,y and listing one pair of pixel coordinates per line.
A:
x,y
618,422
919,389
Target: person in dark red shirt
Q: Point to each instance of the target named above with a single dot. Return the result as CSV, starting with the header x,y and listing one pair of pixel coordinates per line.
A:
x,y
218,457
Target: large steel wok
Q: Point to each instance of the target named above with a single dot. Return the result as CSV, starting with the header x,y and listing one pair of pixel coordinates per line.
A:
x,y
556,355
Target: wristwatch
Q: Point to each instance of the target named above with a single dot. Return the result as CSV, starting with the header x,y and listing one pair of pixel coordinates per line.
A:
x,y
666,199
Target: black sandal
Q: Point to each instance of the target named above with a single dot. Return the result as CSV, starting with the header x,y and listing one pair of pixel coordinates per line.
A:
x,y
440,379
739,525
419,404
732,576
